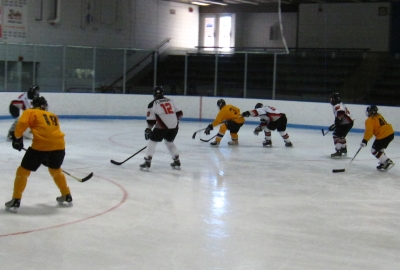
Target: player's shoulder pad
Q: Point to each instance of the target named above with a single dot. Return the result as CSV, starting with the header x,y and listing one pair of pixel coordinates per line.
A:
x,y
150,105
338,107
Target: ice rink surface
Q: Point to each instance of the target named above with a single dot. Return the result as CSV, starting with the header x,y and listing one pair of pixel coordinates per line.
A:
x,y
235,208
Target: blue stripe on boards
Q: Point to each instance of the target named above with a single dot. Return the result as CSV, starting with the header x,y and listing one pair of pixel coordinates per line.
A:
x,y
122,117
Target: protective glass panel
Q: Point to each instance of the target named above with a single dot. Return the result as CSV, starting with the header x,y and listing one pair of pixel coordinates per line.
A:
x,y
79,69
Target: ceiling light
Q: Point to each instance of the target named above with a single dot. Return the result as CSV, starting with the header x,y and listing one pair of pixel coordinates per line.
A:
x,y
213,2
200,4
247,2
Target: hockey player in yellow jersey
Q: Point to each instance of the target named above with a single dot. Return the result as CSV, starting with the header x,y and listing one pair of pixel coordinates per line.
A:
x,y
232,119
48,148
376,125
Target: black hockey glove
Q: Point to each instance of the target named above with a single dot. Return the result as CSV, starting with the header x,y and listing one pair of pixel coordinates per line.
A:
x,y
363,143
208,129
332,127
337,121
17,144
257,130
246,114
14,110
147,133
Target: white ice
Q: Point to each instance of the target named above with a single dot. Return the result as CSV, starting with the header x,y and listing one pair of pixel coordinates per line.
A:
x,y
244,207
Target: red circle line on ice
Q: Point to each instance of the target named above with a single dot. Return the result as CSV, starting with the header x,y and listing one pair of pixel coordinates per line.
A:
x,y
124,197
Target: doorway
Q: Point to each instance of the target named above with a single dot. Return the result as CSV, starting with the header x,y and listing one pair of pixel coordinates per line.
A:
x,y
217,31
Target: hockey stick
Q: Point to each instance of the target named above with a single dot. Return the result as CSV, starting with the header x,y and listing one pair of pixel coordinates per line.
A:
x,y
223,122
347,167
194,134
208,139
324,133
84,179
122,162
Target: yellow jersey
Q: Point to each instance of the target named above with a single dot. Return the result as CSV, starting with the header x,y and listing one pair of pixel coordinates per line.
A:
x,y
228,112
377,126
45,127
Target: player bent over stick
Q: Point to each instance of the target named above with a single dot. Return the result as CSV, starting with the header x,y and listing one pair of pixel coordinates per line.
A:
x,y
23,102
48,148
163,115
376,125
343,124
271,119
230,116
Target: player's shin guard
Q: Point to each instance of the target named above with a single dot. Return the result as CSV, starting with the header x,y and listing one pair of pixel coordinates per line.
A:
x,y
382,158
171,148
267,135
235,139
217,140
60,181
21,178
379,154
285,137
219,137
151,148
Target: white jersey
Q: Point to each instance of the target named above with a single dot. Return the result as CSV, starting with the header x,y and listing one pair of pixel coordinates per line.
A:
x,y
268,114
23,102
342,113
164,113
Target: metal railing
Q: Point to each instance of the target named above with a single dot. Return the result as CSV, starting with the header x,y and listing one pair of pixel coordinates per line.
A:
x,y
304,74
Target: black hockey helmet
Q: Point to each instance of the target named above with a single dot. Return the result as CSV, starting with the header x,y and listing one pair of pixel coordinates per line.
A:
x,y
221,103
40,102
371,110
33,91
258,105
335,98
158,92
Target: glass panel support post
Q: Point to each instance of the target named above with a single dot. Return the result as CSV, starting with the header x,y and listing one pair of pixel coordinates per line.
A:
x,y
34,66
186,74
216,74
155,68
63,68
94,71
5,66
245,75
274,77
124,72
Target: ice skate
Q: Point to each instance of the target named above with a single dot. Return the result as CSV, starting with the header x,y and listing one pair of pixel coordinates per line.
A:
x,y
337,154
215,144
146,165
288,144
65,198
176,165
267,143
388,165
344,151
380,167
13,205
233,142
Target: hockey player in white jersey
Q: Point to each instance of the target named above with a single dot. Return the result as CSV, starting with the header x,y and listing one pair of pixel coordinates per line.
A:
x,y
271,119
162,124
23,102
343,124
